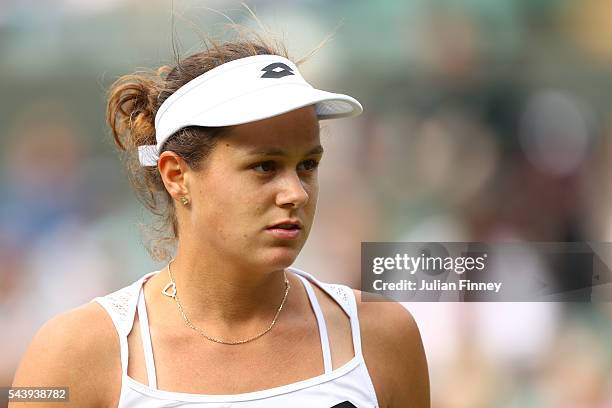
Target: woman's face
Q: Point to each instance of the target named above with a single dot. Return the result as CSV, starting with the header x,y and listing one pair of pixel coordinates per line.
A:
x,y
258,175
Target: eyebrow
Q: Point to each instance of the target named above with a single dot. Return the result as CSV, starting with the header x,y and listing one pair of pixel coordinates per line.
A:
x,y
279,152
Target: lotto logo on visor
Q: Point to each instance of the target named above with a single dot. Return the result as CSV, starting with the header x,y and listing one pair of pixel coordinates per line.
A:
x,y
277,70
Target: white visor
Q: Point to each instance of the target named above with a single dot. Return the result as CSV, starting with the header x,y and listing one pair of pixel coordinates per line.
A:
x,y
241,91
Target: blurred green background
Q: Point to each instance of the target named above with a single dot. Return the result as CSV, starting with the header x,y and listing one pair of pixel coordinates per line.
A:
x,y
484,121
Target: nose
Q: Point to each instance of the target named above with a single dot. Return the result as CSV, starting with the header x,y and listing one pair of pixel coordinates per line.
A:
x,y
291,192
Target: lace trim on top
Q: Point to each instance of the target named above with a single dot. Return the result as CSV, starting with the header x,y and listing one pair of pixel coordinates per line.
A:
x,y
339,292
121,305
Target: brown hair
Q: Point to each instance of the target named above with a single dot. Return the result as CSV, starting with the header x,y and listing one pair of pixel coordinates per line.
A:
x,y
133,101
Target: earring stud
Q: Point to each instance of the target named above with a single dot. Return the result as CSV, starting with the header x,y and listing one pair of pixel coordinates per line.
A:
x,y
184,200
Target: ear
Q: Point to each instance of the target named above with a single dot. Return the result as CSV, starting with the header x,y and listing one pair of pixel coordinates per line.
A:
x,y
173,171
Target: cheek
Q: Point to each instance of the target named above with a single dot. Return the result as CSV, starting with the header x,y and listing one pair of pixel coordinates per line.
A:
x,y
230,206
313,195
310,208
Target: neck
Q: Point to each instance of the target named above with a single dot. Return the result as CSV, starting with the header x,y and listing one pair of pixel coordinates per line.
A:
x,y
225,294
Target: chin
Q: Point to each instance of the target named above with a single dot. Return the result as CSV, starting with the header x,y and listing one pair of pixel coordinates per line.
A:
x,y
280,257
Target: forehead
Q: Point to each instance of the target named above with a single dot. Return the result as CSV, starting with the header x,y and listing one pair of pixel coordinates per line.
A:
x,y
292,132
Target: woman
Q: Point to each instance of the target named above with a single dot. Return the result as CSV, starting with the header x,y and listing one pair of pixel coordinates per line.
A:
x,y
229,138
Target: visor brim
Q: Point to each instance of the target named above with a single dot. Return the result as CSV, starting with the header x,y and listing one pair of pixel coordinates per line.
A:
x,y
277,100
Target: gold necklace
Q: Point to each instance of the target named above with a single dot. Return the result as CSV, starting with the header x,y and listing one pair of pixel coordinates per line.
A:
x,y
170,291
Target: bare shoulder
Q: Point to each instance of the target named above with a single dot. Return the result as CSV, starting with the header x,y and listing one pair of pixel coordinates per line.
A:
x,y
390,320
78,349
393,350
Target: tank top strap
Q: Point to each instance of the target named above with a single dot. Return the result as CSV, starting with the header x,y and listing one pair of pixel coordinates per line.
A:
x,y
327,361
145,335
345,297
121,307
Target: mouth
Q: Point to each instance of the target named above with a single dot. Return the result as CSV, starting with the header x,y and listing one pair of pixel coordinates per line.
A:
x,y
288,229
288,225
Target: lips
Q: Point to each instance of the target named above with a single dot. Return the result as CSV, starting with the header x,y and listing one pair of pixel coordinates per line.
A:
x,y
287,225
286,229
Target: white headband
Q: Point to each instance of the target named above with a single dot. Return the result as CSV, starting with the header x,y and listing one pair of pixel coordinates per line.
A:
x,y
241,91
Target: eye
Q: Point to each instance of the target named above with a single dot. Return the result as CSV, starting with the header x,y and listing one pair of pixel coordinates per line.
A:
x,y
265,167
309,165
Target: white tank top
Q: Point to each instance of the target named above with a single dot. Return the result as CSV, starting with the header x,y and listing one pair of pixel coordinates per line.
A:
x,y
345,387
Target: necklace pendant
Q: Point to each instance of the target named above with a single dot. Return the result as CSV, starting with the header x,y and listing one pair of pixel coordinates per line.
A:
x,y
169,290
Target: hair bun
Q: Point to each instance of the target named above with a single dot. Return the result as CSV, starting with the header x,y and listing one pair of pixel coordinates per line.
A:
x,y
132,105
